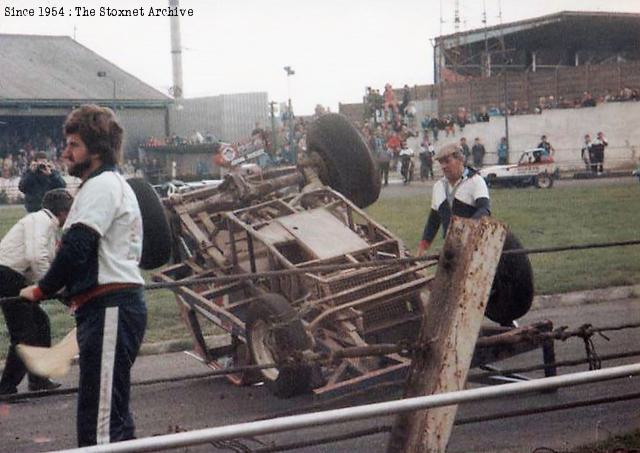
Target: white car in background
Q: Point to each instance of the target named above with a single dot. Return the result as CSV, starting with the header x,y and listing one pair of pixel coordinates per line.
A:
x,y
534,168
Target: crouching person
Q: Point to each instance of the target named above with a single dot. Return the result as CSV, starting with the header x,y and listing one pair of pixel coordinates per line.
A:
x,y
26,252
97,264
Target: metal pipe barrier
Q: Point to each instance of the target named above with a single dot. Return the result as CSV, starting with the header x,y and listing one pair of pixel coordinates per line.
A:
x,y
359,412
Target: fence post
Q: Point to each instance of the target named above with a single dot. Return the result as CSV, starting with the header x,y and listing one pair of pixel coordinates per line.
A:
x,y
449,331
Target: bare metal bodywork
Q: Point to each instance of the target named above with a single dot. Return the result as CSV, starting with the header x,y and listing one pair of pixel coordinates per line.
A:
x,y
266,223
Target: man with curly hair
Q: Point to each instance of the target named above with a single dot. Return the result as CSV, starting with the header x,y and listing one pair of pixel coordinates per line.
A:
x,y
97,264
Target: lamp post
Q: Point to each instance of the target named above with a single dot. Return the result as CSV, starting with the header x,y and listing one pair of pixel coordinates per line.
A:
x,y
104,74
292,145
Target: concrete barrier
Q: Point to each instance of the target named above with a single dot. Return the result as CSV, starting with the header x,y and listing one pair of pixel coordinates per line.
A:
x,y
565,129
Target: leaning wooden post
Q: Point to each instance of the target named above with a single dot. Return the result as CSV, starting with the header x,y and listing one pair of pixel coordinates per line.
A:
x,y
449,330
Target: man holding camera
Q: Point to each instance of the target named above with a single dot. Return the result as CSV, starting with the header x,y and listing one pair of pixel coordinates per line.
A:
x,y
40,178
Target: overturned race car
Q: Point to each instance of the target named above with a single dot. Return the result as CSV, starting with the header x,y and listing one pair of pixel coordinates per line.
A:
x,y
332,289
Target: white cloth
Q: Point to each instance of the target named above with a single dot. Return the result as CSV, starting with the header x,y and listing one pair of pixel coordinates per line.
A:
x,y
30,245
107,204
467,190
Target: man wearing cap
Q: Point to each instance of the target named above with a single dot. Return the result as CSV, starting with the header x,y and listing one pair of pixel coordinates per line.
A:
x,y
461,192
26,252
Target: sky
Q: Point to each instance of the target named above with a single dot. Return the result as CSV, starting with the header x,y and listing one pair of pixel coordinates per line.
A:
x,y
336,47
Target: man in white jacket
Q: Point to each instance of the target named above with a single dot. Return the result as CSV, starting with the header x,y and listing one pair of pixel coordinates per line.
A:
x,y
26,253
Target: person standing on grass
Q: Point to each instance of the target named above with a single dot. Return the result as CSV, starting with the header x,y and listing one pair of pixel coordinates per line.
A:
x,y
97,264
461,192
585,152
26,252
597,153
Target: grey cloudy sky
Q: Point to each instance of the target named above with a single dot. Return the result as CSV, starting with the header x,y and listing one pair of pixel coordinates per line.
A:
x,y
336,47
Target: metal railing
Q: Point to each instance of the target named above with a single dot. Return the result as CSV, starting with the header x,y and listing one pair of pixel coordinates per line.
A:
x,y
335,416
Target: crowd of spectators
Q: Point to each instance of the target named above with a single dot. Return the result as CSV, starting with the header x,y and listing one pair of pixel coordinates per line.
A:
x,y
451,123
17,151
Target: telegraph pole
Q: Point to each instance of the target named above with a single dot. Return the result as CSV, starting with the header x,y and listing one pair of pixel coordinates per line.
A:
x,y
506,111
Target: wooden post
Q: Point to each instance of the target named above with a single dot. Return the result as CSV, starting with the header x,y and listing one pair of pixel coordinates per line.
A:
x,y
449,330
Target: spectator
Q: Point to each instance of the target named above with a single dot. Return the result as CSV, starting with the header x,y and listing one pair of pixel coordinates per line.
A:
x,y
410,115
384,161
503,152
587,99
546,146
461,118
39,179
426,154
406,161
435,126
449,126
425,124
464,149
406,98
478,152
390,102
597,153
585,152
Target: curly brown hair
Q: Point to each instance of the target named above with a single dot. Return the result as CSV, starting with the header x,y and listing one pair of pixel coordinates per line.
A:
x,y
99,129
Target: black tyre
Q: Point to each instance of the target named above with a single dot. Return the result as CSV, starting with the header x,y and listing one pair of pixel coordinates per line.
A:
x,y
274,332
544,181
351,169
512,290
156,242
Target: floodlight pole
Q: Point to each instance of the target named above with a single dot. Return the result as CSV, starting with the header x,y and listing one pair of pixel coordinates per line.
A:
x,y
274,136
113,99
292,144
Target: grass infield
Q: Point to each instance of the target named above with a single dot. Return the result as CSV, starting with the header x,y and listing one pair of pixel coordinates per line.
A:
x,y
560,216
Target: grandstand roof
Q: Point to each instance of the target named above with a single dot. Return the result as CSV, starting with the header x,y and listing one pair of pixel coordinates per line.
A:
x,y
581,29
57,68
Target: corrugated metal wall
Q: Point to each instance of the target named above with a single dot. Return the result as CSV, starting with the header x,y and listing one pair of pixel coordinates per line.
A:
x,y
139,125
229,117
526,88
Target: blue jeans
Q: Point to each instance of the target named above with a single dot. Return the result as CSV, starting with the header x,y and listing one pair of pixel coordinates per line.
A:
x,y
110,330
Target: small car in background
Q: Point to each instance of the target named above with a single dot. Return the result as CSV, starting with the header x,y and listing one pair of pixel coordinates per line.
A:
x,y
534,168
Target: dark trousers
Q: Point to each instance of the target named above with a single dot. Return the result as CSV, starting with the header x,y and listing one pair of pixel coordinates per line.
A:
x,y
27,323
426,170
384,172
597,160
110,331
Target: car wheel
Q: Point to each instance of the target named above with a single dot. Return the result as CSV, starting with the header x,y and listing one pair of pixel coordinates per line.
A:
x,y
242,357
350,167
512,291
156,234
544,181
274,332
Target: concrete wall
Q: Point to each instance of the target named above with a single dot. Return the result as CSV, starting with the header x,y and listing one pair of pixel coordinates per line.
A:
x,y
565,129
